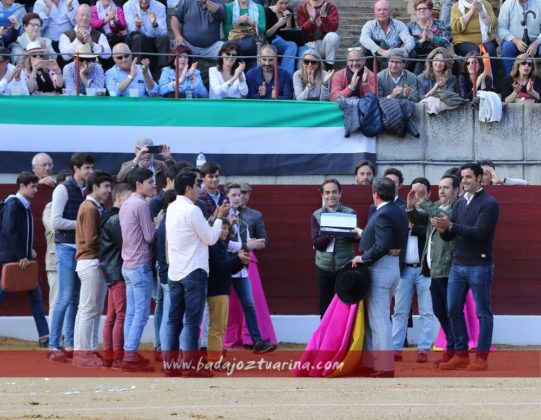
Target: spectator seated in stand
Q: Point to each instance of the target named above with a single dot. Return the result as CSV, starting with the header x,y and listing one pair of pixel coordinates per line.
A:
x,y
227,80
43,75
11,18
519,27
190,84
83,34
473,24
90,72
108,18
311,82
397,82
280,22
245,23
522,84
11,82
438,74
127,75
319,20
260,80
32,32
147,31
429,33
384,33
196,25
57,18
355,79
473,68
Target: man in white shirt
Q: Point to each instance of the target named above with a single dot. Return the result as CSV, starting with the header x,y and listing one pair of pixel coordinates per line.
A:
x,y
188,238
58,17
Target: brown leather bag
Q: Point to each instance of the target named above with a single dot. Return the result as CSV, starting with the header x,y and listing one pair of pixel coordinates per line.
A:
x,y
15,279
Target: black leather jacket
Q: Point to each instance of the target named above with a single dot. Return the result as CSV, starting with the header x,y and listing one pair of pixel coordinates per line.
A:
x,y
111,246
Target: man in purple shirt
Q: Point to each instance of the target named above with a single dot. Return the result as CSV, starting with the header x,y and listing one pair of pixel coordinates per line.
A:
x,y
138,233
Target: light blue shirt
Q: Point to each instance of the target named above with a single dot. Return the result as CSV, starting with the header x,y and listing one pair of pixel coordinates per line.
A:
x,y
397,34
115,75
23,200
132,9
60,19
167,84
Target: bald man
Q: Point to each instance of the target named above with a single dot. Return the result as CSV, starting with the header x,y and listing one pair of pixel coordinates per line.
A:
x,y
42,166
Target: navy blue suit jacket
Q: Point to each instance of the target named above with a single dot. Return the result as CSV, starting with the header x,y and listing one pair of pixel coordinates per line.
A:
x,y
387,229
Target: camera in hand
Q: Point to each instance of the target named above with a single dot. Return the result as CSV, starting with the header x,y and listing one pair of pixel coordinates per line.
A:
x,y
155,149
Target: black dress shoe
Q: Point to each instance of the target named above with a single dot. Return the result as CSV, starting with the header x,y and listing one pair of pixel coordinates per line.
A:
x,y
382,374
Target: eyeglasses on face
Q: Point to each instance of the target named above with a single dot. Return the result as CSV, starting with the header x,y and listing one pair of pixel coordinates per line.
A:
x,y
422,9
35,25
123,56
310,62
355,60
37,56
231,54
527,63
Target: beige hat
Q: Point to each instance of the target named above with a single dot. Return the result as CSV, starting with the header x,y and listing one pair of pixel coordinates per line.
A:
x,y
84,51
34,46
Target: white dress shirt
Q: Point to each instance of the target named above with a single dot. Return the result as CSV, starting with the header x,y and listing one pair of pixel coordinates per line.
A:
x,y
188,238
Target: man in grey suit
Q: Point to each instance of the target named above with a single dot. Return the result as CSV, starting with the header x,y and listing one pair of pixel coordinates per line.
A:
x,y
381,241
395,81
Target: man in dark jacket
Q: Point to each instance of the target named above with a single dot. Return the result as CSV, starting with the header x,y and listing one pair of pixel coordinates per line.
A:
x,y
17,243
111,266
222,266
472,225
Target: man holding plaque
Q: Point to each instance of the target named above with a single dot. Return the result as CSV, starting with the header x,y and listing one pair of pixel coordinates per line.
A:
x,y
333,233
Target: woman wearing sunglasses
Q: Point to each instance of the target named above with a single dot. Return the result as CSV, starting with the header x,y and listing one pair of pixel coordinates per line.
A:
x,y
522,84
311,82
43,75
473,73
227,80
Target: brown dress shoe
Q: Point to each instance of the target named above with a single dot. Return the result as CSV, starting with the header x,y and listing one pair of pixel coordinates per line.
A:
x,y
456,363
478,365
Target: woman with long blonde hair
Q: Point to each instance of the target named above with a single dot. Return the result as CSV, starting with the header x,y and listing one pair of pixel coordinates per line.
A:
x,y
522,84
311,82
437,74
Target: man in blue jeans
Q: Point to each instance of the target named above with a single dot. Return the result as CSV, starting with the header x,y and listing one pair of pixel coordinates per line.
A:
x,y
188,238
67,197
138,234
472,225
17,243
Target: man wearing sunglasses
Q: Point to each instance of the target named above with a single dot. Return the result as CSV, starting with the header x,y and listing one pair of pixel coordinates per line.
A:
x,y
90,73
128,75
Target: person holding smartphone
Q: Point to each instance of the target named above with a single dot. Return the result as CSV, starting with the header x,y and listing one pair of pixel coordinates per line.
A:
x,y
144,158
43,75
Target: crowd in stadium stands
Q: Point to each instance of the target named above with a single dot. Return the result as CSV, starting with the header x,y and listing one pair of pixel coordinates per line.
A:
x,y
128,48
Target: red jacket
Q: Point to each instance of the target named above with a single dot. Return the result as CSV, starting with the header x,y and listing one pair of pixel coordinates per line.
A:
x,y
328,23
339,85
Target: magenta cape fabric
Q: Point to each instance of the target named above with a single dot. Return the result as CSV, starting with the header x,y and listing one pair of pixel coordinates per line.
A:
x,y
237,333
331,340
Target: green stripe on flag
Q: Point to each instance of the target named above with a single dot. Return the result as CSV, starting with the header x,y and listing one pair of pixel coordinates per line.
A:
x,y
123,111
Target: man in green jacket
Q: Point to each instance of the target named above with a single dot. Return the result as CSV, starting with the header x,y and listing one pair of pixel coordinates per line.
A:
x,y
437,254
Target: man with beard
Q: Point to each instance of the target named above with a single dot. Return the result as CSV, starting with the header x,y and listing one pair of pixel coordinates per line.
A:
x,y
364,173
128,74
260,80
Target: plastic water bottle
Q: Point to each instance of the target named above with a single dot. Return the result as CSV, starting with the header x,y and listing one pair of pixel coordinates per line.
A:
x,y
200,161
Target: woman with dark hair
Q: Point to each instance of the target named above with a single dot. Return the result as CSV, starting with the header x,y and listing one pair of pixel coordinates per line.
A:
x,y
437,74
522,84
227,80
190,84
473,66
32,25
429,33
43,76
280,17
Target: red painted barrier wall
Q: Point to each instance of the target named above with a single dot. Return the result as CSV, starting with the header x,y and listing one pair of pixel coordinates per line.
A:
x,y
287,266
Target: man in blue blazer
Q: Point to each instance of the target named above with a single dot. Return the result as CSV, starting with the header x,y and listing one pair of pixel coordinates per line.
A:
x,y
381,241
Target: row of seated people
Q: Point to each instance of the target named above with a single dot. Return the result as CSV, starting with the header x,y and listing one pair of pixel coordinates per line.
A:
x,y
229,80
203,26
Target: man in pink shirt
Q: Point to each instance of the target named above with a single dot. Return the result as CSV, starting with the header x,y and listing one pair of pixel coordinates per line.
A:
x,y
138,233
